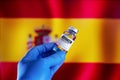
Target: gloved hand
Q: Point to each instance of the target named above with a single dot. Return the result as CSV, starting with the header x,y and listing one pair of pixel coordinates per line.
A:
x,y
40,63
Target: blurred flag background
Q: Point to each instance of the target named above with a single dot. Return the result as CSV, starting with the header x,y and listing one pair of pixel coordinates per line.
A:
x,y
95,55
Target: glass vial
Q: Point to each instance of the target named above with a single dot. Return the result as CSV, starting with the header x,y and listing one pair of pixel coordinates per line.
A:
x,y
67,39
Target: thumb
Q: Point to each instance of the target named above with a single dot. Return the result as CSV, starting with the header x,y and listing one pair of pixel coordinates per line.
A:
x,y
56,58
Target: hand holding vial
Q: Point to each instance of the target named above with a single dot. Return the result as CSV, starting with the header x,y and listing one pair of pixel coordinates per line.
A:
x,y
41,62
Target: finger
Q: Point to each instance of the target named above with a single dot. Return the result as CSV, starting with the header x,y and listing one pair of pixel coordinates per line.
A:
x,y
45,47
56,58
35,52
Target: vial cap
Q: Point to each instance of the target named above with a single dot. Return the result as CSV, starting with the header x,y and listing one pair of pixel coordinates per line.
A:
x,y
74,29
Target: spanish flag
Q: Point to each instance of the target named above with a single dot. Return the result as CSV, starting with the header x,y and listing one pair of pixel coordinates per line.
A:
x,y
95,55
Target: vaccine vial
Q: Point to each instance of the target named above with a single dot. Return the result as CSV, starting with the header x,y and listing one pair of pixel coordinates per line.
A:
x,y
67,39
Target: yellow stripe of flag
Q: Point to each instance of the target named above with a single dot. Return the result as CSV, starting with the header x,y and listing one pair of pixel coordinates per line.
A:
x,y
87,47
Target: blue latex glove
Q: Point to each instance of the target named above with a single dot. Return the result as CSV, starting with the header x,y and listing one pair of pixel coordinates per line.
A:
x,y
40,63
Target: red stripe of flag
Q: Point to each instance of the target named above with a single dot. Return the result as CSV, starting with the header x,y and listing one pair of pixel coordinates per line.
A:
x,y
60,8
71,71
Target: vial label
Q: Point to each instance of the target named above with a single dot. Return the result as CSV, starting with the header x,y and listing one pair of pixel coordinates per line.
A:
x,y
65,42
